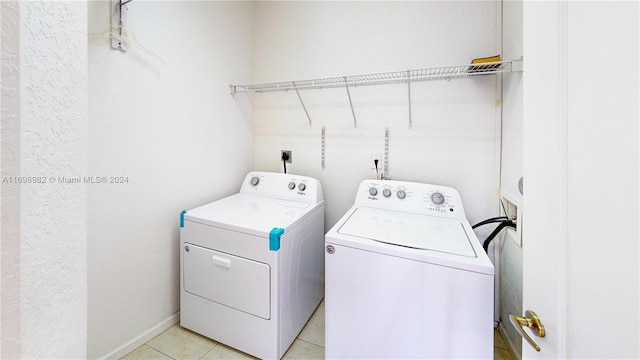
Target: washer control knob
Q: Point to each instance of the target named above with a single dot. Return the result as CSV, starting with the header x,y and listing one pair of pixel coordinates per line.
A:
x,y
373,191
302,187
437,198
292,185
386,192
255,180
401,194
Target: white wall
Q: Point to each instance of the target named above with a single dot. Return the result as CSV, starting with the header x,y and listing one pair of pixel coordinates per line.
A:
x,y
510,267
454,136
512,102
1,337
170,125
44,136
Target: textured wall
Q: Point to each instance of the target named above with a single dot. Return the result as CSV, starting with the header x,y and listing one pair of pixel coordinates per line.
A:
x,y
47,138
454,138
10,203
163,118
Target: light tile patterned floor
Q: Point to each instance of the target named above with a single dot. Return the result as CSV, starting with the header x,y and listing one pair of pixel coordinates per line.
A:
x,y
501,350
179,343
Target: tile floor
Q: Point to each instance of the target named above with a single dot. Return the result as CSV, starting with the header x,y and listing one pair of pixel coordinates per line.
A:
x,y
180,343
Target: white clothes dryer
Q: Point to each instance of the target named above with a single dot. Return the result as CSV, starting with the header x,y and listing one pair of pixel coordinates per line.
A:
x,y
251,264
406,277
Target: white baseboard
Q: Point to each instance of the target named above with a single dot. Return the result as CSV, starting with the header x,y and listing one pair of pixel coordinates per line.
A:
x,y
143,338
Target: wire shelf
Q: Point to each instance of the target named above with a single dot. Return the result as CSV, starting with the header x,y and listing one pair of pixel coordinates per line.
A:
x,y
445,72
407,77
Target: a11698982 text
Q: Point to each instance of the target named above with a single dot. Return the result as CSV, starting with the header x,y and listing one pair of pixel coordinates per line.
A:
x,y
65,180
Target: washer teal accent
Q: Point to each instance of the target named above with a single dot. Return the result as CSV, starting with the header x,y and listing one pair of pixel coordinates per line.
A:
x,y
182,218
274,239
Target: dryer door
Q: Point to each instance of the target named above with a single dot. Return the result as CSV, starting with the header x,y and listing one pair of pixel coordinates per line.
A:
x,y
229,280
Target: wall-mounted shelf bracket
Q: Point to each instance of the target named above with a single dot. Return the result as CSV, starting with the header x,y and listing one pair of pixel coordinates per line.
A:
x,y
353,113
517,65
302,103
119,23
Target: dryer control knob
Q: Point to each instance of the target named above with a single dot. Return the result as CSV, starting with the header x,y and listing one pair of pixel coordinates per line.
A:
x,y
437,198
373,191
401,194
302,187
386,192
255,180
292,185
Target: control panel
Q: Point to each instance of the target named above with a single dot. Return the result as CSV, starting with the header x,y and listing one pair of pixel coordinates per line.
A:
x,y
283,186
411,197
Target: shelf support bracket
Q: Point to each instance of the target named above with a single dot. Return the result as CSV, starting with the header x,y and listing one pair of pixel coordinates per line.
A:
x,y
385,168
516,65
302,103
409,95
353,113
119,24
323,145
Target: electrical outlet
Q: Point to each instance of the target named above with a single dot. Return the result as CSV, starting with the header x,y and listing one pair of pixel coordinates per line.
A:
x,y
286,154
375,156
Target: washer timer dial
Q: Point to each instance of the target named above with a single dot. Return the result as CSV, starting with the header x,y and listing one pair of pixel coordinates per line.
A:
x,y
255,180
401,194
437,198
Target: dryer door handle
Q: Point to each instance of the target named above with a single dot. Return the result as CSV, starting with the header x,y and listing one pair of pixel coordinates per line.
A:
x,y
220,261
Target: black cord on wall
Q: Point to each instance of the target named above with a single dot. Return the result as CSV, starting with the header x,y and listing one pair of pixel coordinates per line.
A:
x,y
491,220
495,232
504,222
285,157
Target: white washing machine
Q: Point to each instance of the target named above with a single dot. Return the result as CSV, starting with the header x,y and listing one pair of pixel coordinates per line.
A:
x,y
406,277
251,264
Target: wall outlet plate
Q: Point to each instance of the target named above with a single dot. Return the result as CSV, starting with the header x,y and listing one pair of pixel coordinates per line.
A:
x,y
513,208
288,152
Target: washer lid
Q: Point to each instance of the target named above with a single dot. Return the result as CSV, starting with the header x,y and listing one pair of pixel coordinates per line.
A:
x,y
409,230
